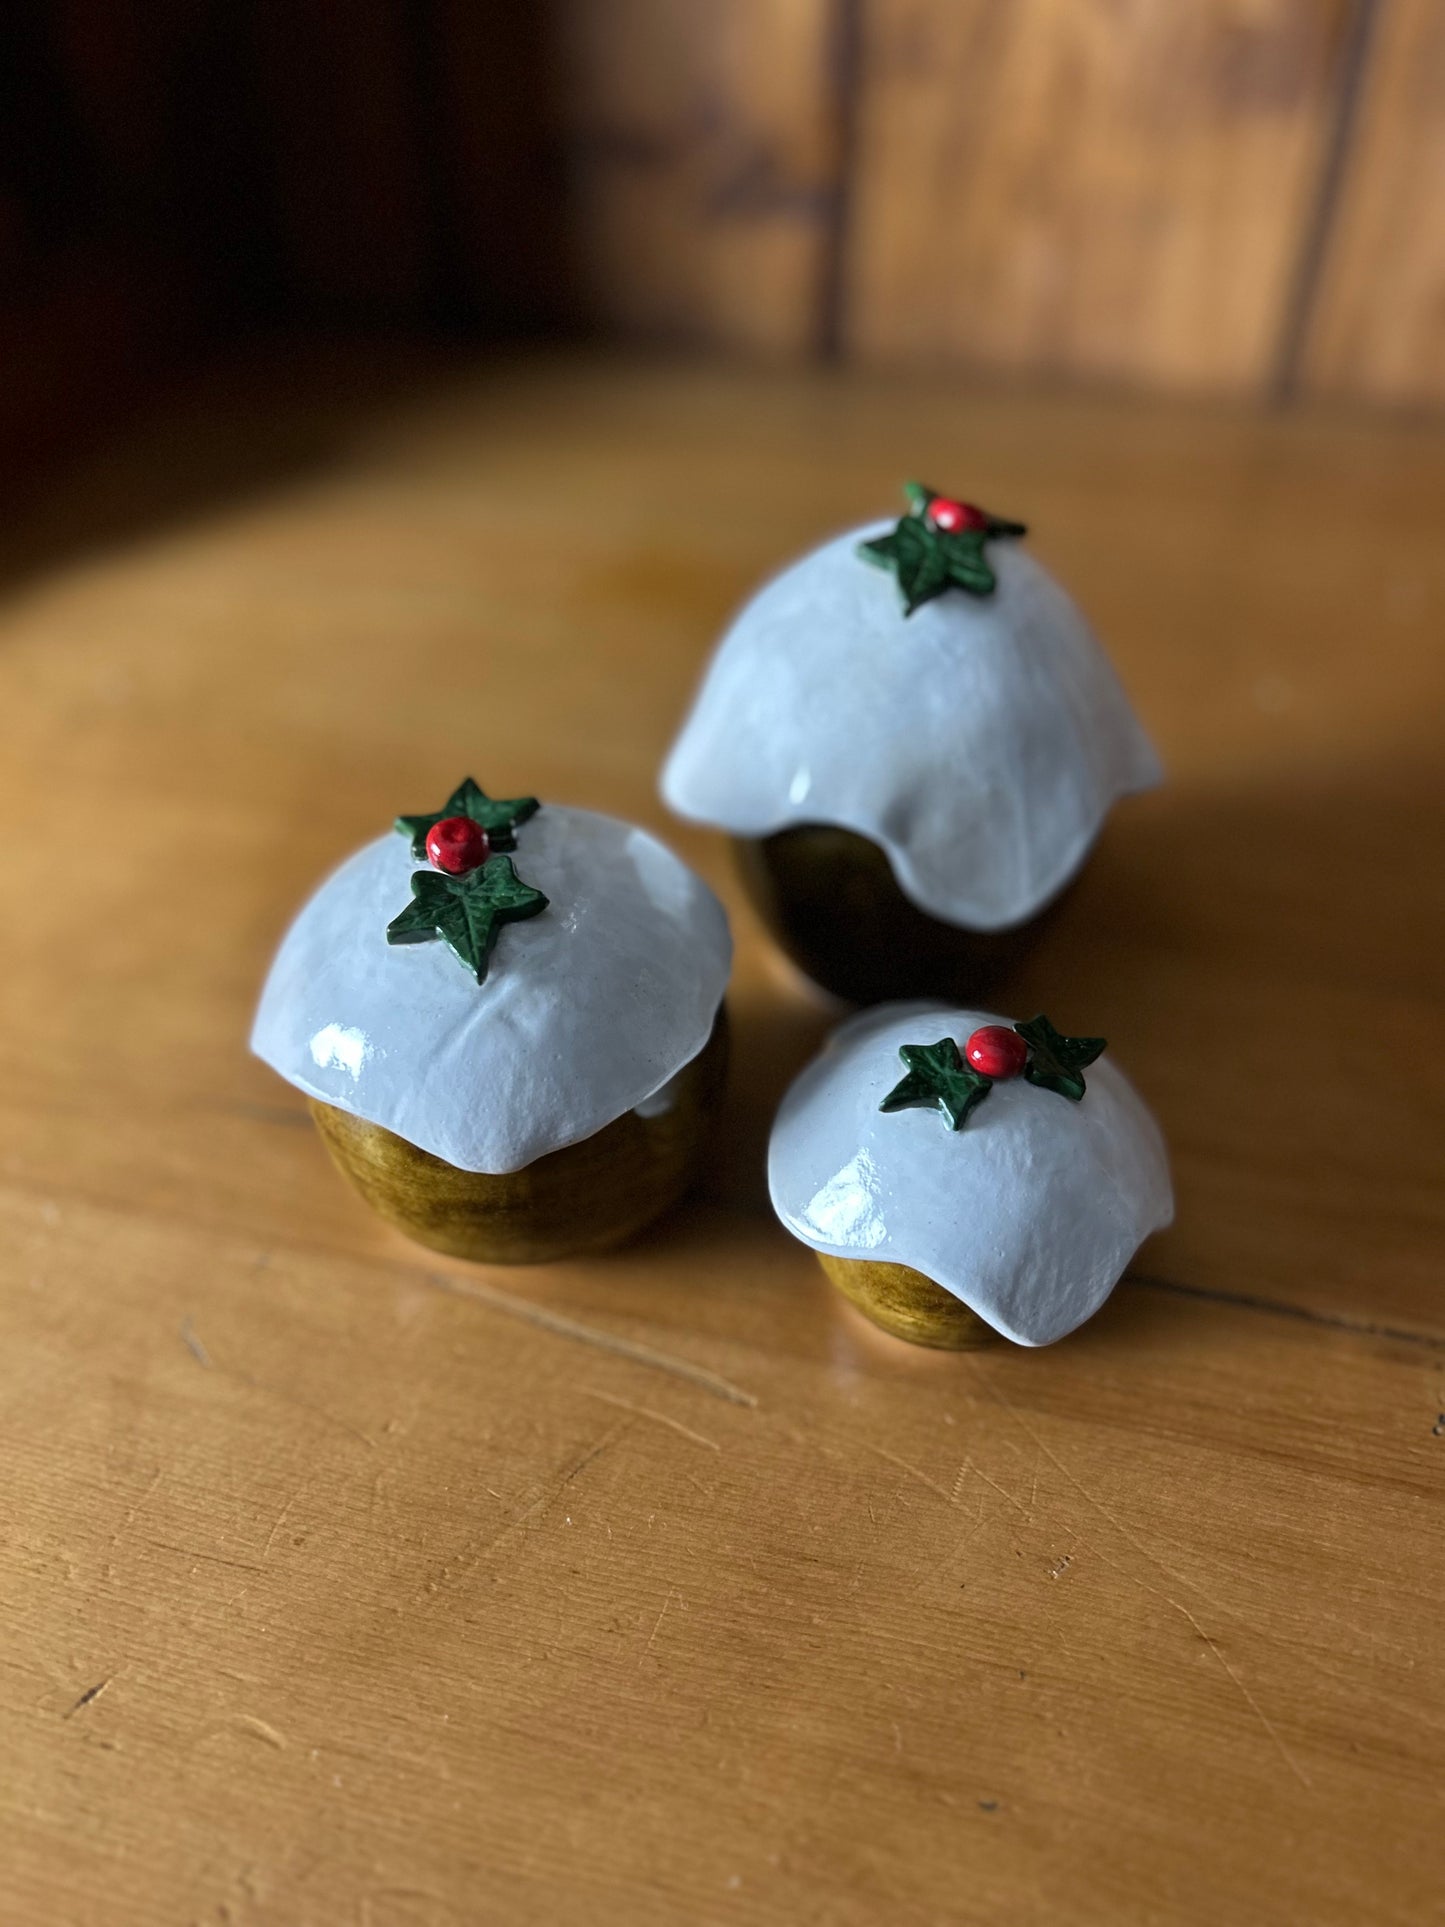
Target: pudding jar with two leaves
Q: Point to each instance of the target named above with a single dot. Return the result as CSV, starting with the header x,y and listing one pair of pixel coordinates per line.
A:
x,y
509,1021
913,738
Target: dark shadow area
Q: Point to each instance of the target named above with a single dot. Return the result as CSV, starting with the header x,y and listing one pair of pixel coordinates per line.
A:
x,y
774,1035
176,183
275,412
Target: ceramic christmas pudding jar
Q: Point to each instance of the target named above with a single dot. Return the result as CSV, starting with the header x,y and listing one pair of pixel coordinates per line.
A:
x,y
914,738
509,1021
960,1176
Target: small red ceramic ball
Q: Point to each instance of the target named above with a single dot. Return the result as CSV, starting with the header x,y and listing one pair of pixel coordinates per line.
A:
x,y
951,516
996,1051
457,845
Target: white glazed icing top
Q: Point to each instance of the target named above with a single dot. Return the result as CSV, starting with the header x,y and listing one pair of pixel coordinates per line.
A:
x,y
1029,1214
588,1009
980,741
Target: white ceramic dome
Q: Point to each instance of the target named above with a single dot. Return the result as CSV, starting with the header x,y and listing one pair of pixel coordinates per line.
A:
x,y
1030,1213
980,741
588,1010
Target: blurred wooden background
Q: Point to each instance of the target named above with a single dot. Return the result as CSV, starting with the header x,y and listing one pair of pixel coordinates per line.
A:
x,y
1242,198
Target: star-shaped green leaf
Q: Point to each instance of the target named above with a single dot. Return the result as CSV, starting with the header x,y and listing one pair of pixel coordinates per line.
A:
x,y
498,817
1056,1063
927,559
938,1075
467,912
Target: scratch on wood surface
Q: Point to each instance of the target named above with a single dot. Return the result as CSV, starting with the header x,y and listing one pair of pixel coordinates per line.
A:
x,y
1259,1712
1175,1605
913,1471
1017,1504
437,1909
585,1459
563,1327
145,1498
537,1502
191,1340
671,1595
88,1697
645,1411
262,1729
204,1357
300,1404
250,1725
243,1377
279,1521
1276,1308
1409,1709
209,1558
1000,1397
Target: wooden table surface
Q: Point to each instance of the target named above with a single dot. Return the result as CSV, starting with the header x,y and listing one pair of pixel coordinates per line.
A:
x,y
343,1583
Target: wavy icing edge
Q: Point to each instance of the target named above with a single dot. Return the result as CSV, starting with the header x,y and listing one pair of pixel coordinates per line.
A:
x,y
692,788
855,1194
333,1049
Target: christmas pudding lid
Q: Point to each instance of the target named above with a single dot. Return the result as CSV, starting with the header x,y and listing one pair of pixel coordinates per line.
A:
x,y
494,980
950,703
977,1152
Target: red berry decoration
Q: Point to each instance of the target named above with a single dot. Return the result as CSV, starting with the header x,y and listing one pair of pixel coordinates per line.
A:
x,y
457,845
996,1051
953,517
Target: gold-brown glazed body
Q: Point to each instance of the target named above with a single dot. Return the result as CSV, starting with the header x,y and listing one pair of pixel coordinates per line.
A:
x,y
902,1301
584,1197
832,903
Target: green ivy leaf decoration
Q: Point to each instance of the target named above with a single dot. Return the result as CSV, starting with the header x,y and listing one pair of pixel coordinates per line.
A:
x,y
498,817
938,1075
467,912
928,560
1056,1062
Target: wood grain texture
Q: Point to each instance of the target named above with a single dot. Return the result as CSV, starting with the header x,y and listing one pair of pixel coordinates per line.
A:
x,y
1115,188
704,166
1378,324
343,1583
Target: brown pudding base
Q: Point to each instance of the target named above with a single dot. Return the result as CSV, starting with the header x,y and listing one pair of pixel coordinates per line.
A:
x,y
832,903
583,1198
902,1301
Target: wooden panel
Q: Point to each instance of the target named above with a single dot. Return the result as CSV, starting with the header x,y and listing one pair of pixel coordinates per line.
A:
x,y
1110,187
99,291
342,117
703,165
1379,322
383,162
346,1584
484,71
